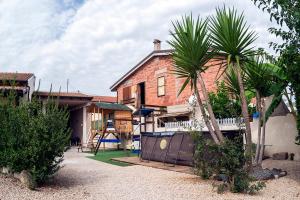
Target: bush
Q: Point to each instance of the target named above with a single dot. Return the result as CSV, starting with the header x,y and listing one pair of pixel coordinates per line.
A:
x,y
33,137
222,105
225,161
226,107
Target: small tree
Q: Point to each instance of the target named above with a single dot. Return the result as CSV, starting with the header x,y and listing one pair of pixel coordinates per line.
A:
x,y
192,53
232,38
259,79
33,138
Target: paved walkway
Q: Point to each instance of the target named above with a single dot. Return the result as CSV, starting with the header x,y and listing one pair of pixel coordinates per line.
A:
x,y
84,178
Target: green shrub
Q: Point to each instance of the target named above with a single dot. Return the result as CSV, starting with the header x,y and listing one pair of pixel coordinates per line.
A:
x,y
226,160
33,138
224,106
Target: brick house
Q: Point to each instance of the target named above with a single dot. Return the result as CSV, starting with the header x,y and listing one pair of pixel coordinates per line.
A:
x,y
151,83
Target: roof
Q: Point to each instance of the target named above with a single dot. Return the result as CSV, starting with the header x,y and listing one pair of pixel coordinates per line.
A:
x,y
112,106
63,94
8,76
140,64
108,99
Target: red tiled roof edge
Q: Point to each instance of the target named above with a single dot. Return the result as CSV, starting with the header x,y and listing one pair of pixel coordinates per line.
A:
x,y
108,99
11,76
63,94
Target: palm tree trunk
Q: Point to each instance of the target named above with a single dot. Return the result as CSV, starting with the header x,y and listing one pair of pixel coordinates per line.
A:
x,y
210,111
205,117
263,137
246,119
258,108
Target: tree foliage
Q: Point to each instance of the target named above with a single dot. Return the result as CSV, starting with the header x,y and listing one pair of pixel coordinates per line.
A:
x,y
232,38
222,104
33,138
286,13
192,52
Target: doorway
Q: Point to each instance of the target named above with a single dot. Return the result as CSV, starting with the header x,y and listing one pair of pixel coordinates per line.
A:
x,y
142,93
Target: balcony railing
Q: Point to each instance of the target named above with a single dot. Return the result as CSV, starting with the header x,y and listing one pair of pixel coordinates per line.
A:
x,y
224,124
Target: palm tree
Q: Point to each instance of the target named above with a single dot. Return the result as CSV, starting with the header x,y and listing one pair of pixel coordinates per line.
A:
x,y
259,78
232,38
192,46
277,88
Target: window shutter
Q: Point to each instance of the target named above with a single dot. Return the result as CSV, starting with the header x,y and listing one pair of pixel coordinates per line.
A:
x,y
126,93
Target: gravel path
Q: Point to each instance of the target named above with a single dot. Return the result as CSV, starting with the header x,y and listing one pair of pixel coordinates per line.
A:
x,y
83,178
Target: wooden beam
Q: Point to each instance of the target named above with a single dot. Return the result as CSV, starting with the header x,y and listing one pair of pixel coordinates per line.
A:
x,y
102,120
98,121
94,117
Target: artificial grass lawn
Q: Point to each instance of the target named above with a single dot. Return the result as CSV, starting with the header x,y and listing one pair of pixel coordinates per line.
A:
x,y
107,155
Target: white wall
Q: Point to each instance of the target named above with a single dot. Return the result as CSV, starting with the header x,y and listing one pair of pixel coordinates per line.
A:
x,y
31,84
280,135
27,96
178,108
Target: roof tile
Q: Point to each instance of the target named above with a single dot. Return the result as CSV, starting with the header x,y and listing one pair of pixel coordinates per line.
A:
x,y
15,76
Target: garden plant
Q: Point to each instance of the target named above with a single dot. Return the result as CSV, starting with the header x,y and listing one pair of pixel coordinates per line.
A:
x,y
33,137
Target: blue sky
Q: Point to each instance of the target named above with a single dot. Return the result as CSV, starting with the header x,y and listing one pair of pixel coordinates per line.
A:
x,y
93,42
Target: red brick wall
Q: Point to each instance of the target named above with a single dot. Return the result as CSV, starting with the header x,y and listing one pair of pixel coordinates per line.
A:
x,y
162,66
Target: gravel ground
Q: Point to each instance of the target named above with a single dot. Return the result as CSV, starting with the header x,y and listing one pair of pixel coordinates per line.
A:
x,y
84,178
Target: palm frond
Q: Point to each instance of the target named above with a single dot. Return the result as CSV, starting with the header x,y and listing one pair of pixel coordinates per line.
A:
x,y
230,34
262,77
192,48
232,83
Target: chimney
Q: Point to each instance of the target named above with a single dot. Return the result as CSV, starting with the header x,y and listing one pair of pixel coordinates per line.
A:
x,y
156,43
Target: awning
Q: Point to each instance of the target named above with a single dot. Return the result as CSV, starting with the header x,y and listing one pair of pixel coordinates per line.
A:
x,y
176,114
143,111
112,106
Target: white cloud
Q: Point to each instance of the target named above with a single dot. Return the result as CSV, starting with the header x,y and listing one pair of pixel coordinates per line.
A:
x,y
94,42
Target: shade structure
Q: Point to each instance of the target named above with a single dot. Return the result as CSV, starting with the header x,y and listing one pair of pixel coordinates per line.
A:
x,y
144,111
112,106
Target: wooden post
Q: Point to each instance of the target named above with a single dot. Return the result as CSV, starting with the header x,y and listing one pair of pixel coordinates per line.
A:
x,y
102,120
94,117
98,121
91,129
102,125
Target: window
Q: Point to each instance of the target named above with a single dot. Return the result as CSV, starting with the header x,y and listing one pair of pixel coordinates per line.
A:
x,y
161,86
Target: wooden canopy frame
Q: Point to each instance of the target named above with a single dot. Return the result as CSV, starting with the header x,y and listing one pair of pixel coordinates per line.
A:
x,y
122,121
